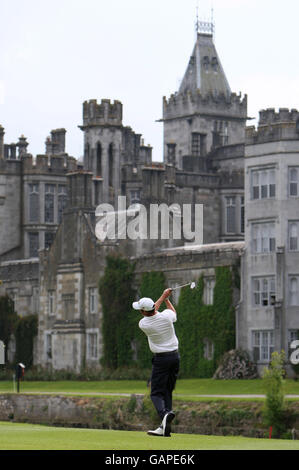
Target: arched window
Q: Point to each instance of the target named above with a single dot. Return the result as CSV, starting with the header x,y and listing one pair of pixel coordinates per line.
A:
x,y
206,62
111,165
99,160
214,63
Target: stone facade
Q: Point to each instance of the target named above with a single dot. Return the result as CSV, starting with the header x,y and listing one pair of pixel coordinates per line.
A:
x,y
51,258
268,315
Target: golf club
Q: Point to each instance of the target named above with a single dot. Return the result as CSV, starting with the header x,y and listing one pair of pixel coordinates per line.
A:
x,y
191,284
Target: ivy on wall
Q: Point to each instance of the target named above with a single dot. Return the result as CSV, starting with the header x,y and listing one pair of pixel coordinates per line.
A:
x,y
198,323
116,293
8,320
25,332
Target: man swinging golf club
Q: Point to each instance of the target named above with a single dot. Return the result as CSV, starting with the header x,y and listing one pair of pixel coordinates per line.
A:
x,y
163,343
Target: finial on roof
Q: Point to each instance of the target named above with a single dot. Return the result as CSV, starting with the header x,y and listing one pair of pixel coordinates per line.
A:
x,y
204,27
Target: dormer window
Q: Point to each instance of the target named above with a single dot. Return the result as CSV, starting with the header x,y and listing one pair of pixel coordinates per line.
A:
x,y
206,62
214,63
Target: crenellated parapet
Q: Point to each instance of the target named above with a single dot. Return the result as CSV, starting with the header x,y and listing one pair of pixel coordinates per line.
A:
x,y
274,126
190,103
106,113
48,164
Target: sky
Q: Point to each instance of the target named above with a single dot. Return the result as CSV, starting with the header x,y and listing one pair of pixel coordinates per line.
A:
x,y
56,54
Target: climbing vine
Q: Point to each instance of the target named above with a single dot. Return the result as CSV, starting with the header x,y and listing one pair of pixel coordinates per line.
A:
x,y
116,293
25,333
8,320
198,323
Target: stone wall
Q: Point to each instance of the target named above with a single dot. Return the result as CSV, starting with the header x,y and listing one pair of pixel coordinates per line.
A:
x,y
136,413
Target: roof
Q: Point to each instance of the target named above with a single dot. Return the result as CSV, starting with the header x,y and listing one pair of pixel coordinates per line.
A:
x,y
204,71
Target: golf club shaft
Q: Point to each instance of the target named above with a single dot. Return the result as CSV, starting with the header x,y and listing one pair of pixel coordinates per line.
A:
x,y
183,285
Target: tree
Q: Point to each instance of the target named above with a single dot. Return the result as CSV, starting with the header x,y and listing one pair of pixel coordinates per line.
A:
x,y
273,378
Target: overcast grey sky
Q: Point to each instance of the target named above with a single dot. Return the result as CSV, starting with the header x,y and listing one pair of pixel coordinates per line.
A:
x,y
55,54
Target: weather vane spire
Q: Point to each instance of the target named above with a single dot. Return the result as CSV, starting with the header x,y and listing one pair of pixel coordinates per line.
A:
x,y
206,27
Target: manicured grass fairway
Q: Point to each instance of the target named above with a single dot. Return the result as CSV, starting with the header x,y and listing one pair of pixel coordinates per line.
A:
x,y
16,436
184,388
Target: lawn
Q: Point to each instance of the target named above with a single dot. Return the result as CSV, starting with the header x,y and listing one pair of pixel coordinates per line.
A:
x,y
16,436
184,389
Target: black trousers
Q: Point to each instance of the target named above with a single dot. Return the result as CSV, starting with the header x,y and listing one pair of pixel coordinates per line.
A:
x,y
165,369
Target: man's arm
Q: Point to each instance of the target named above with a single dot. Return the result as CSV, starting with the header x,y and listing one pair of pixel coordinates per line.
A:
x,y
169,305
164,298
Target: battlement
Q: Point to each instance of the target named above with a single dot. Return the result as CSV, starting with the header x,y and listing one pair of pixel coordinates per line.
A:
x,y
51,164
106,113
274,126
269,116
189,103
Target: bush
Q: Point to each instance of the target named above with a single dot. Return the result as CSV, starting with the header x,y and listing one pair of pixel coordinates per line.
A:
x,y
273,412
236,364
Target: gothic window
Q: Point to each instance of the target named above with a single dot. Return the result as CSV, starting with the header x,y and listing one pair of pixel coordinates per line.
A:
x,y
171,153
48,344
263,237
262,345
111,165
33,202
99,160
294,290
209,285
208,349
49,203
263,184
206,62
195,144
92,344
294,181
294,235
242,209
263,289
62,200
214,64
33,244
49,237
92,299
135,196
51,302
231,214
220,133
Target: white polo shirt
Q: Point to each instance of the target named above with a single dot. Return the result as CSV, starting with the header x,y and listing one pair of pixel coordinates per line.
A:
x,y
160,332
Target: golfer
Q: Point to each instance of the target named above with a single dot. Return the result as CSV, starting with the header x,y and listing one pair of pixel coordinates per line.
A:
x,y
163,343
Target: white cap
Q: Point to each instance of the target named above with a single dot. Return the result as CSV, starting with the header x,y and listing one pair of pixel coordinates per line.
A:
x,y
144,304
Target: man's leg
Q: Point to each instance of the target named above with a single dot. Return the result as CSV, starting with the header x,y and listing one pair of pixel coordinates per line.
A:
x,y
159,382
172,378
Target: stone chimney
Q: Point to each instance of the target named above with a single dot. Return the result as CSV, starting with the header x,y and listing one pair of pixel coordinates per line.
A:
x,y
22,146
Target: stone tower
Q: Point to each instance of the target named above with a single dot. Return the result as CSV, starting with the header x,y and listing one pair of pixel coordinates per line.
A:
x,y
102,126
203,114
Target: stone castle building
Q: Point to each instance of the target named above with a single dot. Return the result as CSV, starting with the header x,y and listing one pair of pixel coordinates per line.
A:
x,y
51,258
